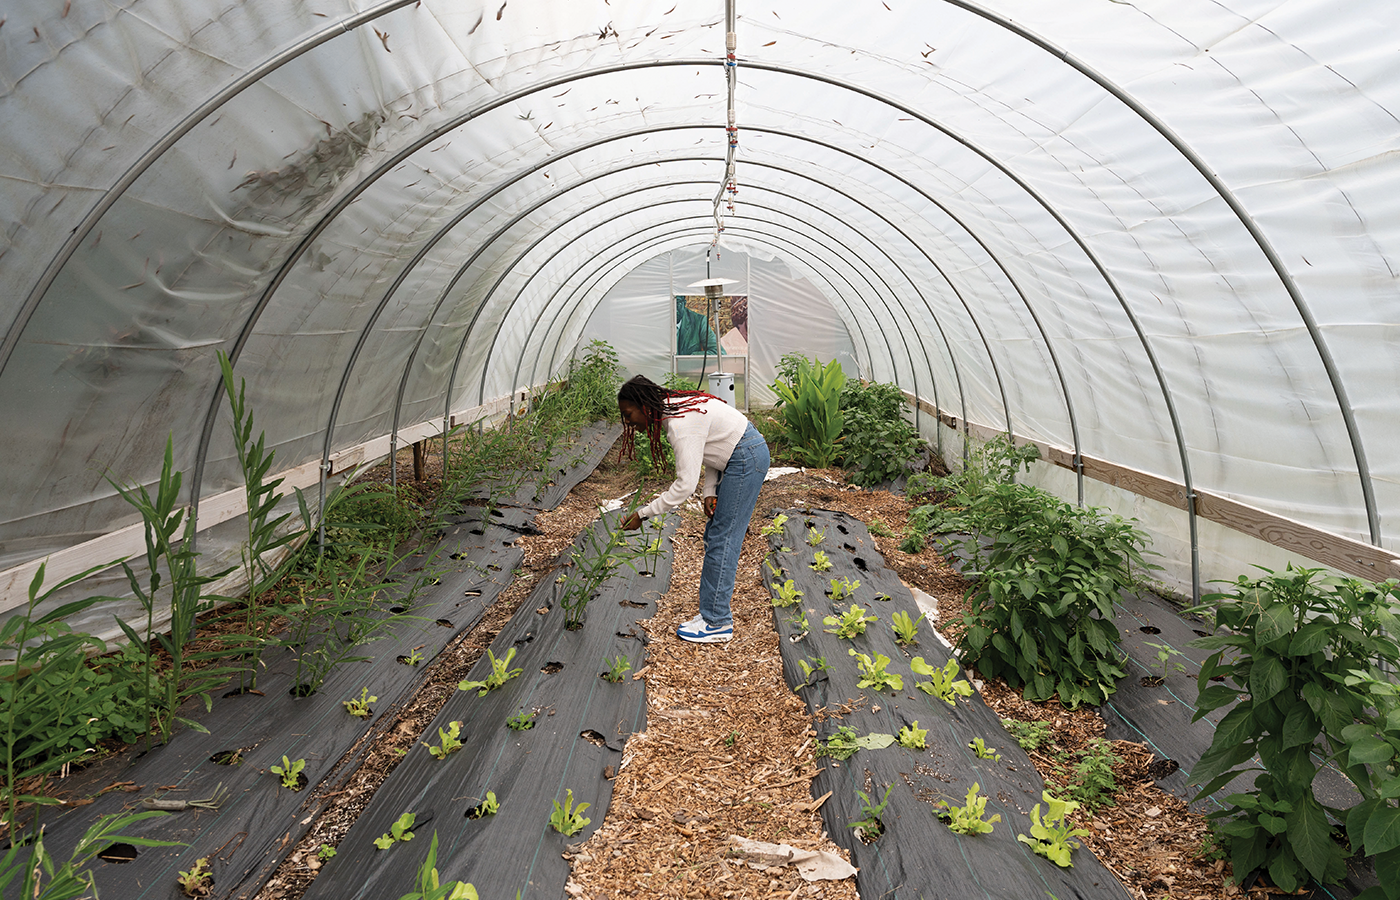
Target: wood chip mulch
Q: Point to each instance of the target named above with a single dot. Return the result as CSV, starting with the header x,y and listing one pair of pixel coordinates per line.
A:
x,y
727,751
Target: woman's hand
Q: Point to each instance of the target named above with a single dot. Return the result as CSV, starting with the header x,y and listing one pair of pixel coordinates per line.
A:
x,y
710,503
632,522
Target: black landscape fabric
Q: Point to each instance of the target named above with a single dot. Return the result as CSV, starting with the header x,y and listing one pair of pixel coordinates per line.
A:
x,y
916,855
259,821
581,723
569,465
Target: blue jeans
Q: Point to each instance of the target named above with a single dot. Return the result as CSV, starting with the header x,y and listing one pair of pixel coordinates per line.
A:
x,y
738,489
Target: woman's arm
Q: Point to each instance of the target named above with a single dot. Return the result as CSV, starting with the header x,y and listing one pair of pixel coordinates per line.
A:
x,y
687,434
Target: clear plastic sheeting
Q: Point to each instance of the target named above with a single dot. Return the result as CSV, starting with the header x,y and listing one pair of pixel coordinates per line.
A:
x,y
1157,235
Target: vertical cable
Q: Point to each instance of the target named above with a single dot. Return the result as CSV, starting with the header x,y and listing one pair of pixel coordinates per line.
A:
x,y
731,76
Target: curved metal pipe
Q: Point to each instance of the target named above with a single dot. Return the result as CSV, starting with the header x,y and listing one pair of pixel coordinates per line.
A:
x,y
648,245
516,377
523,214
467,334
932,315
432,242
458,121
684,235
159,148
1265,245
216,394
1089,254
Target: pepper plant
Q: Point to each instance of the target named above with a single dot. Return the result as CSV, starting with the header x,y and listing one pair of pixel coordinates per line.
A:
x,y
1301,658
1042,609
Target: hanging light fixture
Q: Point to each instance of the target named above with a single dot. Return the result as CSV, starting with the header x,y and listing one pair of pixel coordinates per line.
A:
x,y
712,287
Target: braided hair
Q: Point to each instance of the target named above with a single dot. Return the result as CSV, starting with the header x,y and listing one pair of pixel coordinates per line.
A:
x,y
657,404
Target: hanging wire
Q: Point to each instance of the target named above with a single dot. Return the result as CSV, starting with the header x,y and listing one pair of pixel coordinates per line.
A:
x,y
730,184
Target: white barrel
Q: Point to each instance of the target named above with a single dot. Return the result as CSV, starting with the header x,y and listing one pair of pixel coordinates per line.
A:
x,y
722,386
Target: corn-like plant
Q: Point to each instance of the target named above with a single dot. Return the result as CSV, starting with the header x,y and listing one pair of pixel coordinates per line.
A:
x,y
170,546
429,885
812,411
38,876
266,532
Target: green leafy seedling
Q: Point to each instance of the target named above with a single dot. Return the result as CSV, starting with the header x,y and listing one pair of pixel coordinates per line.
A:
x,y
413,657
842,588
1030,735
448,741
849,624
798,620
982,751
617,668
944,683
774,527
816,664
815,537
522,721
289,772
359,707
1165,652
913,737
499,675
325,852
906,629
868,826
1053,836
878,528
568,819
488,807
873,674
1093,783
968,818
786,594
773,568
399,832
196,882
820,561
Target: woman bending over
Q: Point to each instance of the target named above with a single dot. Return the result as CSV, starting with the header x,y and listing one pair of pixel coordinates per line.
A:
x,y
706,435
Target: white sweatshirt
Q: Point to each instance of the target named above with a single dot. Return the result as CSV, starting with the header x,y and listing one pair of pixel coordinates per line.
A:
x,y
701,440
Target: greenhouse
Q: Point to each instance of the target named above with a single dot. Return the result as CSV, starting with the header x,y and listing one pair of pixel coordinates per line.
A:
x,y
1071,328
